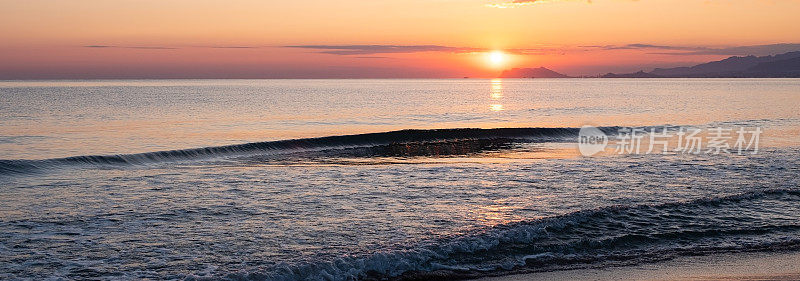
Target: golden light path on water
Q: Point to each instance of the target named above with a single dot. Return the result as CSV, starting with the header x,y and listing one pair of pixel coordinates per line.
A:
x,y
496,95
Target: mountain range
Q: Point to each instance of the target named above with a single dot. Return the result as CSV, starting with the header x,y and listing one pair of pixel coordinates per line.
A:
x,y
782,65
773,66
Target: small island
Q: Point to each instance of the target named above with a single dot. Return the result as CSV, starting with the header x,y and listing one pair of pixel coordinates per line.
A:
x,y
540,72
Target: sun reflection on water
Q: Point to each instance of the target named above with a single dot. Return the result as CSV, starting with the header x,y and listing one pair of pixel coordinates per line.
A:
x,y
496,95
497,89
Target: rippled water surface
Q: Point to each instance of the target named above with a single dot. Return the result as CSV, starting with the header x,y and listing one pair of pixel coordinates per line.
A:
x,y
173,179
44,119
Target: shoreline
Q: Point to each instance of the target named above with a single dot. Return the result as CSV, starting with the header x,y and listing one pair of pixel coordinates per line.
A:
x,y
726,266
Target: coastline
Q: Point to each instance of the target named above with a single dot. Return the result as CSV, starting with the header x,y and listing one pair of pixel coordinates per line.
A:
x,y
727,266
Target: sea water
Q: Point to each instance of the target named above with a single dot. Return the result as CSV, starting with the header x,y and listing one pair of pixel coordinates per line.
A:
x,y
382,179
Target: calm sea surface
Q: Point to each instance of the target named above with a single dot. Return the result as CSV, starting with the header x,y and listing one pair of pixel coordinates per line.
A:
x,y
312,179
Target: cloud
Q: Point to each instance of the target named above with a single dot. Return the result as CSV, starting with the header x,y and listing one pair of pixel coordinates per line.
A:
x,y
758,50
169,47
519,3
230,47
382,49
374,51
347,50
644,46
515,3
152,48
131,47
365,51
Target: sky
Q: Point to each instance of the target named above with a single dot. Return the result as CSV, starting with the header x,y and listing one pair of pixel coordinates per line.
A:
x,y
46,39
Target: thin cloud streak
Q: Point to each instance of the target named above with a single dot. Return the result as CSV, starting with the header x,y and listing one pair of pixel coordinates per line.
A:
x,y
369,51
131,47
520,3
757,50
644,46
515,3
382,49
167,47
347,50
230,47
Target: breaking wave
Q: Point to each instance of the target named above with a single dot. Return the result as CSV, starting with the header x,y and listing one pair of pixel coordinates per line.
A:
x,y
617,235
395,143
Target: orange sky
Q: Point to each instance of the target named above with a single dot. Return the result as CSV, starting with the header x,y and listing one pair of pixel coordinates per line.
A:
x,y
378,38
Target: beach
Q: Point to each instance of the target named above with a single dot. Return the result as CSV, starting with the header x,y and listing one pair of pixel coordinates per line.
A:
x,y
739,266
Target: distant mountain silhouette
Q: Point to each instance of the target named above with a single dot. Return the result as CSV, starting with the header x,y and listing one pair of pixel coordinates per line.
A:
x,y
540,72
782,65
781,68
724,67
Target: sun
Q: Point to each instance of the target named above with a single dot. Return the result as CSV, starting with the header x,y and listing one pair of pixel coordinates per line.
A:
x,y
496,58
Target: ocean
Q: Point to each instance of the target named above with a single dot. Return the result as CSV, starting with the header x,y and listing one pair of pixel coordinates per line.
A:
x,y
395,179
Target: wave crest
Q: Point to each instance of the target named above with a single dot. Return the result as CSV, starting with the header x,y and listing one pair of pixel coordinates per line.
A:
x,y
616,235
394,143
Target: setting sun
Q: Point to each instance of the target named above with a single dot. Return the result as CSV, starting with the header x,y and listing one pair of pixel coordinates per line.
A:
x,y
496,58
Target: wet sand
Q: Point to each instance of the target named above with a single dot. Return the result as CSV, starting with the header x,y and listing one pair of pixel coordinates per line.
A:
x,y
739,266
